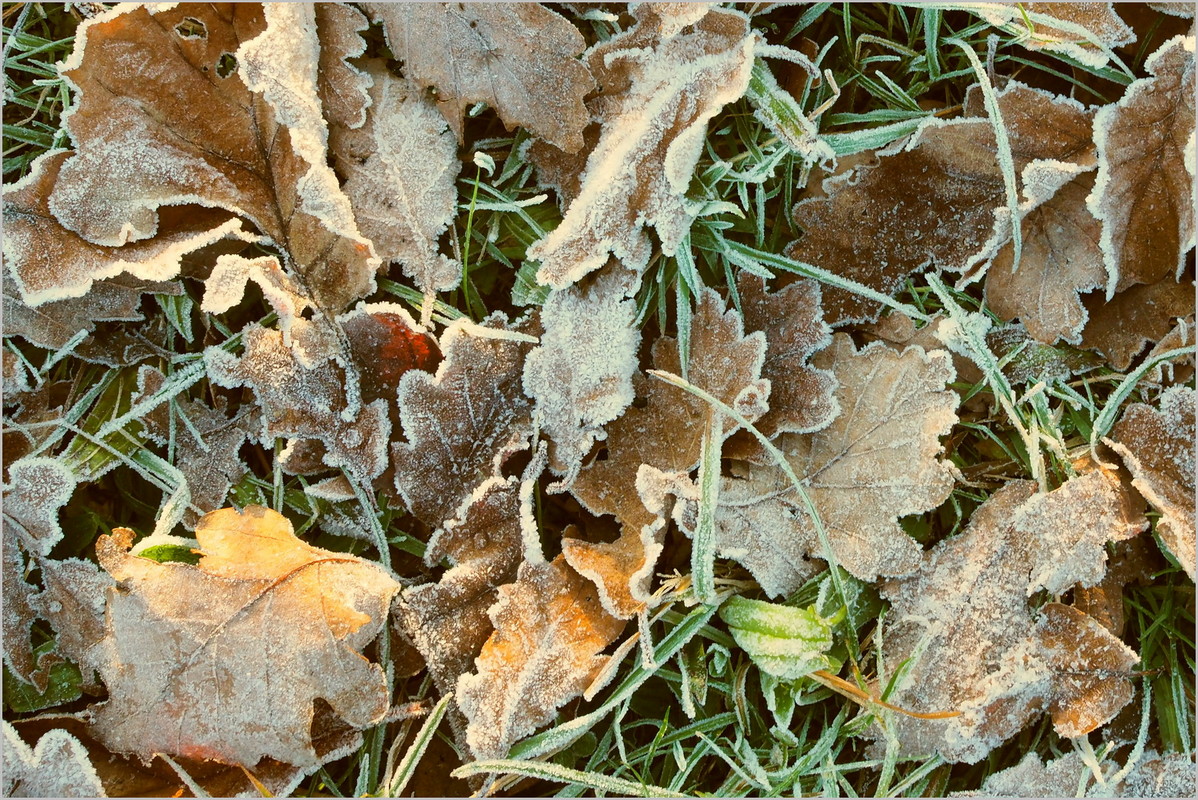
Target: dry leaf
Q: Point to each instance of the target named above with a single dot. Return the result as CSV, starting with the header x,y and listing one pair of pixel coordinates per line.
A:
x,y
931,199
1158,447
225,660
1144,192
1120,328
37,487
1098,19
657,96
1162,774
550,629
964,619
1031,777
19,615
875,462
73,603
401,166
1135,560
581,374
57,767
519,59
462,423
343,88
257,155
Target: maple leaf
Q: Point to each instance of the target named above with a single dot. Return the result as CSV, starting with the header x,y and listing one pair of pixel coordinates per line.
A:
x,y
519,59
657,96
964,616
1144,190
875,462
257,153
930,199
57,767
1121,327
1157,445
581,373
549,631
1106,28
401,166
462,423
224,660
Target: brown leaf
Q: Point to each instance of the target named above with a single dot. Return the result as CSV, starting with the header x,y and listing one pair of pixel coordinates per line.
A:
x,y
1157,445
1098,19
258,153
1145,170
19,615
1119,329
1135,560
549,631
964,618
73,603
197,658
876,461
930,199
401,166
343,88
657,96
520,59
38,486
462,423
57,767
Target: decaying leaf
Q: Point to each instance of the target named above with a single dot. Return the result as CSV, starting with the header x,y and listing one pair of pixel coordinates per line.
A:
x,y
261,156
875,462
1120,328
1157,445
518,58
401,166
57,767
581,374
462,423
225,660
343,88
37,487
964,622
1144,192
73,603
656,96
550,629
931,199
19,614
1090,27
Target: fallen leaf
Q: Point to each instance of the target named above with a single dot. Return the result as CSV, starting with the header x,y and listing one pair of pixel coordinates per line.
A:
x,y
19,615
876,461
343,88
37,488
930,200
656,97
1120,328
1065,776
1162,774
520,59
1143,194
550,629
1157,445
400,167
1134,560
462,423
57,767
1104,27
964,621
73,602
225,660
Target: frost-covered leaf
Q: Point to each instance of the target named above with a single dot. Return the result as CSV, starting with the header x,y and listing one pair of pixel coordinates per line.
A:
x,y
462,423
1162,774
197,658
518,58
1157,445
48,262
657,96
1101,27
19,615
261,156
343,88
931,199
1061,257
964,621
206,443
581,374
1145,187
786,642
73,603
57,767
1032,777
876,461
550,629
37,487
400,167
384,343
1119,329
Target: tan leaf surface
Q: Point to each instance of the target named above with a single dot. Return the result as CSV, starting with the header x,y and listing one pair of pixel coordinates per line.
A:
x,y
930,199
261,156
73,603
1157,445
57,767
876,461
401,166
225,660
519,58
550,629
1098,19
965,615
657,96
19,614
1119,329
342,87
462,423
1144,193
37,487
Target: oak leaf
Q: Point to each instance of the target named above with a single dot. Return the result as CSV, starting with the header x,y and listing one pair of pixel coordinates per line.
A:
x,y
550,629
225,660
57,767
519,59
1120,327
1143,194
1157,445
656,97
964,618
